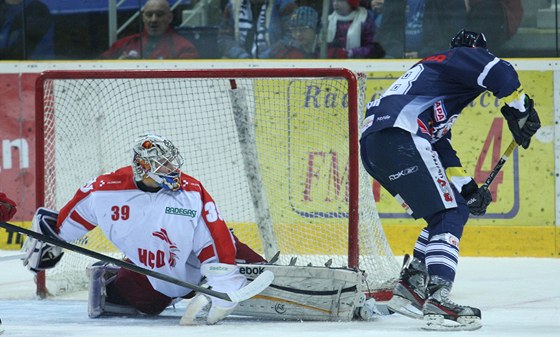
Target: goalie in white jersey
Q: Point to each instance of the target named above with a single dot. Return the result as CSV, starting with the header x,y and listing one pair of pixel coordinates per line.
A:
x,y
162,219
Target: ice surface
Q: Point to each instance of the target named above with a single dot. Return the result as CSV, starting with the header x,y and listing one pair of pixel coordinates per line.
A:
x,y
517,296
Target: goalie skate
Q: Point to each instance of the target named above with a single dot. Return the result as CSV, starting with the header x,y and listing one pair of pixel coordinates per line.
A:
x,y
442,314
409,293
100,274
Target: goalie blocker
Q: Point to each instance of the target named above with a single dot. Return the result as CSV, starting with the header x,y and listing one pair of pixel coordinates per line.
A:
x,y
40,255
301,293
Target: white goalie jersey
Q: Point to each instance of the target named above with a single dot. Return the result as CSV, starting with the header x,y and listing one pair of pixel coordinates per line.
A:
x,y
172,233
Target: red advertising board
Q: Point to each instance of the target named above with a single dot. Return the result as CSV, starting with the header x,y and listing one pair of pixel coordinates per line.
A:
x,y
17,137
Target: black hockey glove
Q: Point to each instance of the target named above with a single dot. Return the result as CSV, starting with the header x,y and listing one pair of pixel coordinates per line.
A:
x,y
478,198
522,125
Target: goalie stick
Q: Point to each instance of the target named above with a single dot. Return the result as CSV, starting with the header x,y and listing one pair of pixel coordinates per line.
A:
x,y
500,164
254,288
12,257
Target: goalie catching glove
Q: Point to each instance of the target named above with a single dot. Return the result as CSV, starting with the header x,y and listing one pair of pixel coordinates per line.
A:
x,y
522,124
41,255
478,198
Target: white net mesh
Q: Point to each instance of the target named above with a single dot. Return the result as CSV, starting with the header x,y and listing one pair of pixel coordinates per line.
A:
x,y
296,157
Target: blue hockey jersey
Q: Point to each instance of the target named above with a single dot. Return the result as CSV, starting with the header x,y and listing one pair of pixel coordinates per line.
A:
x,y
428,98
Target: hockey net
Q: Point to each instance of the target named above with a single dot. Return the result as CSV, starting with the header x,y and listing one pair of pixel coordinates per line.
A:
x,y
276,148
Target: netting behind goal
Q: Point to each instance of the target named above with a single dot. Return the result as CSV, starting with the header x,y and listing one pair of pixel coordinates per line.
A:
x,y
276,148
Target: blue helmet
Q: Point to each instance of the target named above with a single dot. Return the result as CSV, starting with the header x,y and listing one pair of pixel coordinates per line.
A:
x,y
467,38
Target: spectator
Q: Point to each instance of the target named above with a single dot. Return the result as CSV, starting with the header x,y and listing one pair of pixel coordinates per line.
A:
x,y
158,39
418,28
376,6
7,208
244,33
498,19
301,43
27,31
351,31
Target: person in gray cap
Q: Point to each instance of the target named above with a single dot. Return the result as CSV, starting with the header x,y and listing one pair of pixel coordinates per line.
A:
x,y
301,43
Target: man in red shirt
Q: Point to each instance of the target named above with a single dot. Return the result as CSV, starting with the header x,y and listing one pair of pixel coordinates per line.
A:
x,y
7,208
157,41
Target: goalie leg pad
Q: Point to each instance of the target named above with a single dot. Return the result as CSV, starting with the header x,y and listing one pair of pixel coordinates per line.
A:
x,y
305,293
100,275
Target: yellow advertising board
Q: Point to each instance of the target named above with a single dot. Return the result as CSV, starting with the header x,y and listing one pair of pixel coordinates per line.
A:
x,y
520,220
314,193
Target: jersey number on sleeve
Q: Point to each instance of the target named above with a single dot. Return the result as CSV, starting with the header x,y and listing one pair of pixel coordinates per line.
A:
x,y
212,213
402,85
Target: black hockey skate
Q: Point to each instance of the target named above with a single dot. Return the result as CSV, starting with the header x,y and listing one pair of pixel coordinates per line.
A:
x,y
409,294
440,313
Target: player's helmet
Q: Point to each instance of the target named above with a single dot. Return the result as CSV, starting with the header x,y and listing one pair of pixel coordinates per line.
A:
x,y
156,157
467,38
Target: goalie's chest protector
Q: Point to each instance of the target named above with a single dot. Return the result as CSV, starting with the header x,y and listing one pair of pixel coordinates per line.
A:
x,y
158,231
163,231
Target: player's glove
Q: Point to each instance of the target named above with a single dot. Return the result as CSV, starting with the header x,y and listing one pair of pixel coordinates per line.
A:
x,y
523,125
7,207
478,198
41,255
222,277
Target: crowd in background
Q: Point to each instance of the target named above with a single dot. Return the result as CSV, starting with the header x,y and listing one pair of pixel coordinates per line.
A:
x,y
257,29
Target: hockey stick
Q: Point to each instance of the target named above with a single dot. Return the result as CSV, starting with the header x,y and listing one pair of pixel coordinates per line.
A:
x,y
12,257
246,292
500,164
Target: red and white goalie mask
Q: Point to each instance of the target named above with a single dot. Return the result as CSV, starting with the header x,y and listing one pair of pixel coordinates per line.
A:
x,y
157,158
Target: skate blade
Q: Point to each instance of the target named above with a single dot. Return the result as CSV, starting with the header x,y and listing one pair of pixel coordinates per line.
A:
x,y
404,307
439,323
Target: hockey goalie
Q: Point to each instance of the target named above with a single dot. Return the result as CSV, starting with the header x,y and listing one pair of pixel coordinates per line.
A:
x,y
308,293
164,220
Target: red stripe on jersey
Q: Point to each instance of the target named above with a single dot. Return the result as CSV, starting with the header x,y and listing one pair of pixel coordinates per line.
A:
x,y
223,240
190,184
78,218
121,179
118,180
206,253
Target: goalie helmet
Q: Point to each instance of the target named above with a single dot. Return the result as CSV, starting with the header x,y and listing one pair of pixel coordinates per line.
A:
x,y
157,158
467,38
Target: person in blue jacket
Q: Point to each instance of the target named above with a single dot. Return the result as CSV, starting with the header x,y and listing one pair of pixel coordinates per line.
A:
x,y
406,147
26,30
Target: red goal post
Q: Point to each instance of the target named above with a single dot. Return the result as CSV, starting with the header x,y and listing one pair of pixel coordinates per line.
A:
x,y
267,143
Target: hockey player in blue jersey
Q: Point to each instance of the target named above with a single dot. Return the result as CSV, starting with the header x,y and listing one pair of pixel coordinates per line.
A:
x,y
406,147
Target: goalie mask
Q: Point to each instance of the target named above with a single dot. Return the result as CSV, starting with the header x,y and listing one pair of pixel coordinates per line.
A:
x,y
466,38
157,158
